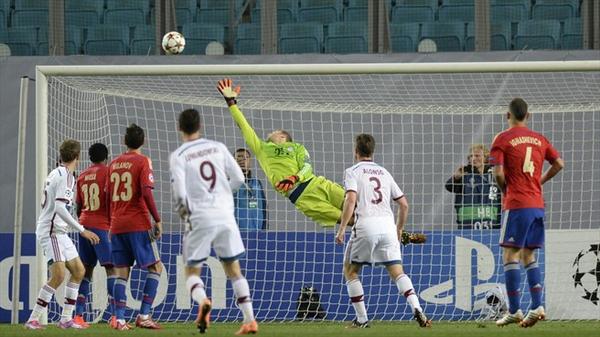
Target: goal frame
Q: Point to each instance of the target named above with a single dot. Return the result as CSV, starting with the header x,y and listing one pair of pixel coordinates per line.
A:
x,y
45,71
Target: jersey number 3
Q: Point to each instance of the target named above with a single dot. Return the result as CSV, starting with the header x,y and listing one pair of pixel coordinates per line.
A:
x,y
528,166
377,190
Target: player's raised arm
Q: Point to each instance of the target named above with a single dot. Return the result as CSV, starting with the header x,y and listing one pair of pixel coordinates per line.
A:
x,y
225,87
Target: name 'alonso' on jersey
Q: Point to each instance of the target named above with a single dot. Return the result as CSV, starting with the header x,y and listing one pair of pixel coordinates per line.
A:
x,y
204,175
375,188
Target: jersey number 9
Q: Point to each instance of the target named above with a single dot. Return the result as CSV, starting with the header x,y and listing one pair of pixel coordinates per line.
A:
x,y
207,172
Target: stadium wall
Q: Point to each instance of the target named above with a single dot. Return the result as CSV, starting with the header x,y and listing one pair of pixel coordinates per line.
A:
x,y
13,68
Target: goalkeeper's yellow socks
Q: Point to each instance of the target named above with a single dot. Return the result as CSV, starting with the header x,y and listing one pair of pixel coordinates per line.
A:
x,y
406,288
356,293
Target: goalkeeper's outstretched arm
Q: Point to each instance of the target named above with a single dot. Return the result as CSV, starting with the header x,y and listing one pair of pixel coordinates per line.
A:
x,y
225,87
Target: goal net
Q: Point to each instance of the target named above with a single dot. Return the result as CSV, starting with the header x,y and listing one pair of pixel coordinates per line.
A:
x,y
424,125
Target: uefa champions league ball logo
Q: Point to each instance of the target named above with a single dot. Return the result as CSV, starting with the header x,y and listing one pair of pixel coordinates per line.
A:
x,y
586,273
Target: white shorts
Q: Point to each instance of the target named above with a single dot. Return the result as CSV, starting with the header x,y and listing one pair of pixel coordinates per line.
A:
x,y
380,249
224,239
58,248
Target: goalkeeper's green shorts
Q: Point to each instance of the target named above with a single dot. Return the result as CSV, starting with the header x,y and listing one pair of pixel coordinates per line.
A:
x,y
322,201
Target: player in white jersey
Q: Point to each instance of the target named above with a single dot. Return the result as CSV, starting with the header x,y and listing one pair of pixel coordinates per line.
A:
x,y
203,176
51,232
375,239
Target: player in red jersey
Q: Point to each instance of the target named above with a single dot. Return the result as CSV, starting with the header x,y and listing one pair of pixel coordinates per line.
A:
x,y
518,155
133,237
92,207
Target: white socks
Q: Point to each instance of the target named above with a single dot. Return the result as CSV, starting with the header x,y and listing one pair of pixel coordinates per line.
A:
x,y
71,292
195,286
44,297
242,293
406,288
356,293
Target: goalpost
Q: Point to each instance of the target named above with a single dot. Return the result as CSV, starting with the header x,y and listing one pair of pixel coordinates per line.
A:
x,y
424,117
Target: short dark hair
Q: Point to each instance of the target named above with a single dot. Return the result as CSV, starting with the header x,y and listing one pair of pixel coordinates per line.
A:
x,y
189,121
69,150
243,149
365,145
134,136
518,108
98,153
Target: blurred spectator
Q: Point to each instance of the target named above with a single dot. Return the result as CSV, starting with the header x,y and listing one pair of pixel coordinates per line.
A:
x,y
250,201
477,201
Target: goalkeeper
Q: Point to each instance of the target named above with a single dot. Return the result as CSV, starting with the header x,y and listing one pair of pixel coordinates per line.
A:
x,y
287,167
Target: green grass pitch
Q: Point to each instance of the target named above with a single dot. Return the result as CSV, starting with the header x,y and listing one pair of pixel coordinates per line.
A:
x,y
378,329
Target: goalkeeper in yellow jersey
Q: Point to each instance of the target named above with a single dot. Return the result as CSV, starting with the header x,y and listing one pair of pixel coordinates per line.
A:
x,y
286,165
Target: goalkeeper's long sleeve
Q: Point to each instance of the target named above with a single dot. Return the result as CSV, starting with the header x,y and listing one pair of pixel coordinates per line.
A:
x,y
305,172
254,143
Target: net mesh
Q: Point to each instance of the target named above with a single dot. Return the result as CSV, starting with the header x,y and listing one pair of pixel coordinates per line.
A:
x,y
423,126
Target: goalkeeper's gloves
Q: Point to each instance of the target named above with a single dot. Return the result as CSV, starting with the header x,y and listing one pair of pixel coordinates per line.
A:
x,y
286,184
225,87
413,238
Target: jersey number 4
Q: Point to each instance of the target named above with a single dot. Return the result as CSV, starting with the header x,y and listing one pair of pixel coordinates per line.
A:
x,y
118,179
91,197
528,166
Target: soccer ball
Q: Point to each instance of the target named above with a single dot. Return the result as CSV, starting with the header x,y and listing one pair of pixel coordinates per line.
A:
x,y
586,273
173,43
